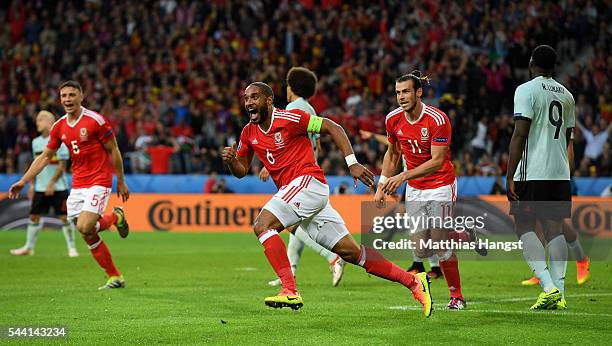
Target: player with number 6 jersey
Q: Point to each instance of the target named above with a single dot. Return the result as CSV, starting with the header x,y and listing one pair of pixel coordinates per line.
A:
x,y
280,140
94,153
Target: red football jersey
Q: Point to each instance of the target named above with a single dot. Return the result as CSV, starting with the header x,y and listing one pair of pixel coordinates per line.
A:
x,y
432,128
91,163
285,149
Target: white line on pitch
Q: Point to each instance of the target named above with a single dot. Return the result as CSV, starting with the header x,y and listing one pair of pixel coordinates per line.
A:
x,y
246,269
522,299
496,311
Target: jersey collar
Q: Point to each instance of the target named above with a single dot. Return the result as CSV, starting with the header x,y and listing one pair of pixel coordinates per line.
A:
x,y
271,122
77,121
420,115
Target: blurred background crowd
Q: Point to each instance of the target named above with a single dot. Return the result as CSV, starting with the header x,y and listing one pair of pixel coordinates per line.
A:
x,y
169,74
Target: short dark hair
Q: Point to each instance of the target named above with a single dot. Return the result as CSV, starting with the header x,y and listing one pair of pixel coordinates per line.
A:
x,y
544,57
71,83
302,81
416,77
265,88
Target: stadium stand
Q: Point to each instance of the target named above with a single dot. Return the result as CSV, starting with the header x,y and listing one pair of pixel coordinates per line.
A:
x,y
170,81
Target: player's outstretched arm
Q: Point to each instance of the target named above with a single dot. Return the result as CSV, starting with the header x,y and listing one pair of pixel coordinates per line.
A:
x,y
377,137
390,167
338,135
113,149
238,165
517,145
35,168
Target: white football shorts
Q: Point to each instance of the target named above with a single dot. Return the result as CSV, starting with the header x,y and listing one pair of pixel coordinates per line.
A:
x,y
305,201
93,199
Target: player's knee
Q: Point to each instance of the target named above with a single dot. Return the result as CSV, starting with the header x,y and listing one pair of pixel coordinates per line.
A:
x,y
35,218
349,255
259,227
85,229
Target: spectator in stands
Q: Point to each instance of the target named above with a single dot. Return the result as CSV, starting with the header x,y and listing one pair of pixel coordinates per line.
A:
x,y
221,187
182,63
480,141
160,154
595,139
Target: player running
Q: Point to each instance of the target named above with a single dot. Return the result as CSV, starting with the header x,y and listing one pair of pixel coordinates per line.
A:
x,y
301,85
422,134
544,113
93,149
279,139
49,189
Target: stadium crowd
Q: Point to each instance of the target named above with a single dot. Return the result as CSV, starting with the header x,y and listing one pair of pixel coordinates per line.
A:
x,y
169,74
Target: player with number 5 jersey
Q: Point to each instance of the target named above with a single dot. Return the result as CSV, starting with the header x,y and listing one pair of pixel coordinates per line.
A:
x,y
94,153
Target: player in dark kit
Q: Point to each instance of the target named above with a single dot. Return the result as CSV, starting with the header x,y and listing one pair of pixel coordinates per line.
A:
x,y
279,138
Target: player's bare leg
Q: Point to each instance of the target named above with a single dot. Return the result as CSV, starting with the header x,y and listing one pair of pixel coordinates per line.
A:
x,y
266,228
88,225
450,267
34,226
374,263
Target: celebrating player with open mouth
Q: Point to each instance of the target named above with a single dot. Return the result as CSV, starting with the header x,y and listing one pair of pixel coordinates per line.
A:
x,y
279,138
93,150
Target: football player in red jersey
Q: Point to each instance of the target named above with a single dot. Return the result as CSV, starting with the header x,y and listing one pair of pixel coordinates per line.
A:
x,y
280,140
94,152
422,134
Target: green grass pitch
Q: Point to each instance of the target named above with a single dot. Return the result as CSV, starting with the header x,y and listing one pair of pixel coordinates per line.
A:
x,y
209,288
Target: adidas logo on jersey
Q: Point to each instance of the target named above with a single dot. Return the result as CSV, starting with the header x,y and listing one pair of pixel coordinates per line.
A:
x,y
63,137
400,133
297,205
254,142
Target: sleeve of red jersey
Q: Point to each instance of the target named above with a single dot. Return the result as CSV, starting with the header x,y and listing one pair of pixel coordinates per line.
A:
x,y
304,120
390,133
54,138
105,131
244,146
441,133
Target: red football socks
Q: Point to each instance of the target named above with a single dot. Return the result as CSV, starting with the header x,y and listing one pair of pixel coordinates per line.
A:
x,y
102,255
375,264
276,252
450,268
106,221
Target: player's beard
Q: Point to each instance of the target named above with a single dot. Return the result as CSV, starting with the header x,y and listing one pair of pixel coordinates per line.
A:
x,y
263,114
